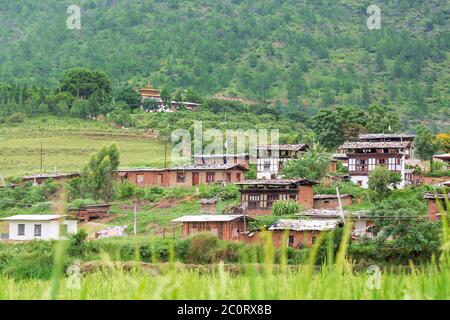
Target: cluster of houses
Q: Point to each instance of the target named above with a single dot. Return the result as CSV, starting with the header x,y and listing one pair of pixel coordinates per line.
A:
x,y
321,212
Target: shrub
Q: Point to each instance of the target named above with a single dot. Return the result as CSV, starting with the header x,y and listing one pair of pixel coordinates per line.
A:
x,y
77,243
125,190
284,207
202,248
16,117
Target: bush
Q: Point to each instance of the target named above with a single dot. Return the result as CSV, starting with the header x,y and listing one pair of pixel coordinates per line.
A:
x,y
285,207
125,190
16,117
202,248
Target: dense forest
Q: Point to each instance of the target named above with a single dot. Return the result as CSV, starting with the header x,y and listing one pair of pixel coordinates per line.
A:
x,y
303,56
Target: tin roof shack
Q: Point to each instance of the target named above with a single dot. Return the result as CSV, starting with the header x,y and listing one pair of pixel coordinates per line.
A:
x,y
271,157
434,214
189,175
208,205
362,222
301,233
445,158
364,156
93,211
40,226
331,201
258,196
225,227
242,159
38,179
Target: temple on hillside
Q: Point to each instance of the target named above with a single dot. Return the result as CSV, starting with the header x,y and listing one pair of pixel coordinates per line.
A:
x,y
149,92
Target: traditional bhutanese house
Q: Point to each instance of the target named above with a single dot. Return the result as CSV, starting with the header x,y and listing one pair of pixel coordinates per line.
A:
x,y
241,159
434,214
270,158
38,179
40,226
189,175
300,233
445,158
330,201
192,175
146,177
391,137
258,196
208,205
362,222
225,227
364,156
89,212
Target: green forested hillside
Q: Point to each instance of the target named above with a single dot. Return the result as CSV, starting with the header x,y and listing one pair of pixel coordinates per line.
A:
x,y
308,54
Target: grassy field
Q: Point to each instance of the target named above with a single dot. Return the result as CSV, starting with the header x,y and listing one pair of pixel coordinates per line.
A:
x,y
222,285
68,143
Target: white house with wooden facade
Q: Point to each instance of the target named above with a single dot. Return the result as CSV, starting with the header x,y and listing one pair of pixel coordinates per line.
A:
x,y
271,158
389,150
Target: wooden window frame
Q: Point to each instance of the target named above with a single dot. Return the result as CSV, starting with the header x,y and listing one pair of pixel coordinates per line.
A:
x,y
21,229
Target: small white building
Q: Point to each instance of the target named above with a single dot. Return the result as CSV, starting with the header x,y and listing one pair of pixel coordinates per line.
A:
x,y
40,226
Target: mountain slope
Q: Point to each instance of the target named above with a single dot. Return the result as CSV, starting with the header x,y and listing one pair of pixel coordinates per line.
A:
x,y
313,54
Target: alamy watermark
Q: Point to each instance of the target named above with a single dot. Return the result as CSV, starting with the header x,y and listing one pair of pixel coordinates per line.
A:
x,y
216,142
374,280
73,22
374,20
73,272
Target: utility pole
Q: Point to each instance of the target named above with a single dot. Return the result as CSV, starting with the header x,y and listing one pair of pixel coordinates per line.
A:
x,y
340,205
41,156
135,218
165,154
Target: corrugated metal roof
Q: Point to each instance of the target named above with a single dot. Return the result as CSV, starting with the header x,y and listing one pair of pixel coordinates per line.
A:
x,y
34,217
431,195
445,156
287,147
305,225
385,136
374,144
281,182
50,175
200,167
330,196
211,218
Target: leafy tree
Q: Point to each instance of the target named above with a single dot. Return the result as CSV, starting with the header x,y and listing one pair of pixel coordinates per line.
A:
x,y
425,144
405,228
130,97
100,171
83,83
166,96
312,165
381,180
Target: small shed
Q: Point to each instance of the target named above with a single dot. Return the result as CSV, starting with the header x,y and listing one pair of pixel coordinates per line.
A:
x,y
208,205
225,227
331,201
40,226
301,233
